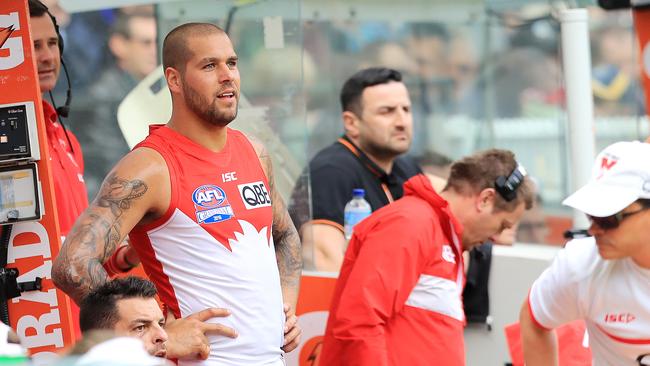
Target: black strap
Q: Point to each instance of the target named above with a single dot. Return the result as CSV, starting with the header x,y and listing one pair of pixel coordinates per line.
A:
x,y
4,244
365,160
9,286
4,296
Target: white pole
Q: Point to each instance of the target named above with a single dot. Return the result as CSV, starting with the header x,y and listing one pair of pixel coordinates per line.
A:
x,y
576,59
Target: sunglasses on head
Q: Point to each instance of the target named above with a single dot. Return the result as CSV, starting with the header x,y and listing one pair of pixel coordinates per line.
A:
x,y
613,221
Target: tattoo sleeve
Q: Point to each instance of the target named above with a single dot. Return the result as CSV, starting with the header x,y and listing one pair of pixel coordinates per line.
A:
x,y
286,239
95,236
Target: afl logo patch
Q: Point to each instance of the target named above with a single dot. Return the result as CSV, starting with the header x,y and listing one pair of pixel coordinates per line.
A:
x,y
211,205
254,195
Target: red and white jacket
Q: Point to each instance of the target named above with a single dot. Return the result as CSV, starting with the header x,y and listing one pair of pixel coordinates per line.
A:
x,y
398,297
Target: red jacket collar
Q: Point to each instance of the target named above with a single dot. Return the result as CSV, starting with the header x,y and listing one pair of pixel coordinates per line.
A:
x,y
49,112
420,186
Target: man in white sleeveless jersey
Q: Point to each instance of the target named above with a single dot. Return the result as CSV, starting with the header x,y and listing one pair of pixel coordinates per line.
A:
x,y
198,201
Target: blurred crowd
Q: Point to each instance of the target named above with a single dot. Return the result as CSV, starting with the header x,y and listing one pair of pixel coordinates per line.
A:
x,y
407,79
108,53
505,66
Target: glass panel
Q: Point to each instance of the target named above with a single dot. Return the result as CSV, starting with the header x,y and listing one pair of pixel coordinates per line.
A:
x,y
268,40
110,50
107,52
480,74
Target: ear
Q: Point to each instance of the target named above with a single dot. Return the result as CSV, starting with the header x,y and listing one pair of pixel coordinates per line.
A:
x,y
117,45
351,124
174,81
485,200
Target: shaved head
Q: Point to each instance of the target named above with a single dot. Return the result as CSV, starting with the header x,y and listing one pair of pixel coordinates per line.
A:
x,y
176,53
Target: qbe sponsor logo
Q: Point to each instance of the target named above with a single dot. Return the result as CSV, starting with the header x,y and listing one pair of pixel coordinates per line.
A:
x,y
254,195
211,205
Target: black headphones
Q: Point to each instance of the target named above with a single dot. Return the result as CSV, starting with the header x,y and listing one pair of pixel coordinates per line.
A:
x,y
64,110
56,28
507,186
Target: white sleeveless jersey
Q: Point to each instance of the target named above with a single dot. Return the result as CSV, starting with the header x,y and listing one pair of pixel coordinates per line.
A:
x,y
213,247
612,296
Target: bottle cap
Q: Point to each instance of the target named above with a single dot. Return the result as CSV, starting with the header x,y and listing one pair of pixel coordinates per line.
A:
x,y
358,192
14,360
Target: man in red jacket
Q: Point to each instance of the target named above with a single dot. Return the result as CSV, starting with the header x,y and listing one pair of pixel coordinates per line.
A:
x,y
398,296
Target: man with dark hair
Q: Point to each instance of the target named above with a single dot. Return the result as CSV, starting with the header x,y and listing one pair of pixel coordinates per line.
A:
x,y
199,203
398,297
603,279
378,129
128,306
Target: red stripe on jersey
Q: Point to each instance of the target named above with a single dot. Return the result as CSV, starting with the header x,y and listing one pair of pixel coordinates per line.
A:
x,y
532,316
621,339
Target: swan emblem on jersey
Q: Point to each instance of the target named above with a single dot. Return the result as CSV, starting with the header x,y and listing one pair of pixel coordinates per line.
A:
x,y
250,238
211,205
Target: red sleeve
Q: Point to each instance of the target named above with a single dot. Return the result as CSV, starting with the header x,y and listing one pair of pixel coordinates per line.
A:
x,y
387,267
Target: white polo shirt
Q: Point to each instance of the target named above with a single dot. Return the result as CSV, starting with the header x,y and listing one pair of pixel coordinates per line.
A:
x,y
612,296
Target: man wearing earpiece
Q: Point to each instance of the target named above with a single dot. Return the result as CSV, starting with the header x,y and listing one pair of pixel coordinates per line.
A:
x,y
398,297
603,279
66,159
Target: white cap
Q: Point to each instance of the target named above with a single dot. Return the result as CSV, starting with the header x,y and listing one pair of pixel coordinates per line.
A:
x,y
620,176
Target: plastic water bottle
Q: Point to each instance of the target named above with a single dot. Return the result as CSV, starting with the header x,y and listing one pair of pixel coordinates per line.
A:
x,y
355,210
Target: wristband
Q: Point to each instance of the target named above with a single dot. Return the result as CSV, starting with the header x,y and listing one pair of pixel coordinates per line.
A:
x,y
126,260
131,265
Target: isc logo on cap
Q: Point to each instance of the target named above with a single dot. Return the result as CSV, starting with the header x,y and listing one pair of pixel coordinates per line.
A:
x,y
254,195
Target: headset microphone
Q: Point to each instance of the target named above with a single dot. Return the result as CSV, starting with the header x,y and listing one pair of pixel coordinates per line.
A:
x,y
64,110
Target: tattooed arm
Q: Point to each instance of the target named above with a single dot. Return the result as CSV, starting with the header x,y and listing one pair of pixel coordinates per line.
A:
x,y
134,191
287,242
287,252
285,236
